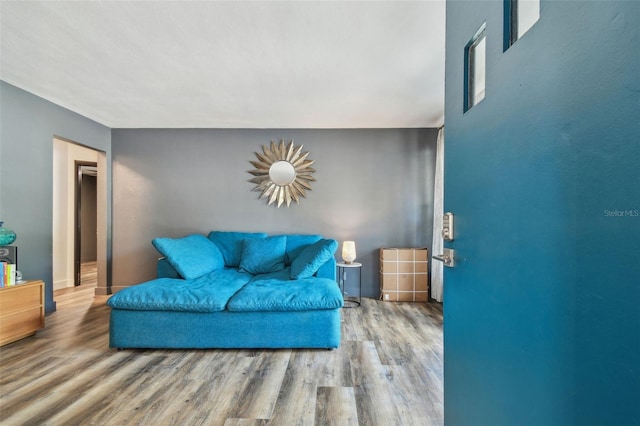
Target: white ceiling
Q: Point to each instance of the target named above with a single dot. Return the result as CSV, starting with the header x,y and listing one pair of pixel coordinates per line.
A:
x,y
188,64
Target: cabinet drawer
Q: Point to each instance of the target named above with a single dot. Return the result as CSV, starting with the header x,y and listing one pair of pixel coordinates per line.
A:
x,y
20,324
20,297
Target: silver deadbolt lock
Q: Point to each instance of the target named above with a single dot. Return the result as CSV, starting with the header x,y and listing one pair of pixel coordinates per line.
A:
x,y
448,255
447,227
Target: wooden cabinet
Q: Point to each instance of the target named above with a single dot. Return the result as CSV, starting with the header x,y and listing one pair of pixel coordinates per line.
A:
x,y
21,311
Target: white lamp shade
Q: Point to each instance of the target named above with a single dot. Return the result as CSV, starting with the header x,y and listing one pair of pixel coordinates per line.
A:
x,y
349,251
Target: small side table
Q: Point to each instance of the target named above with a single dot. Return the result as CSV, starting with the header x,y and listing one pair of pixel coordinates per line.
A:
x,y
351,299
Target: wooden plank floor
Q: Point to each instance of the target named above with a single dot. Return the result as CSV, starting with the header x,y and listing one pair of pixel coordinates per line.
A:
x,y
387,371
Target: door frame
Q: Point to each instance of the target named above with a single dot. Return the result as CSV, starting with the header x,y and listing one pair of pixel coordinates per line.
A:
x,y
77,252
63,244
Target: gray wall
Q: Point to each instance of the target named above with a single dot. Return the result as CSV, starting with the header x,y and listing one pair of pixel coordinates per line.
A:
x,y
27,127
373,186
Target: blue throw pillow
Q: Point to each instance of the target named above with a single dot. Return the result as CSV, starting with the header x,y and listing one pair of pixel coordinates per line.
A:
x,y
297,243
192,256
230,244
264,255
312,258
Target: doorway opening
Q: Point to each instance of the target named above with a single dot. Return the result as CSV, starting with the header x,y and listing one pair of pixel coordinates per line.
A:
x,y
86,244
79,217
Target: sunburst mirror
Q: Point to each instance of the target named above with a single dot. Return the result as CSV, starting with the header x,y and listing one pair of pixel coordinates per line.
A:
x,y
282,173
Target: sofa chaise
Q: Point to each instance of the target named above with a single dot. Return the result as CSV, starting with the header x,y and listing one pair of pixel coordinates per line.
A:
x,y
233,290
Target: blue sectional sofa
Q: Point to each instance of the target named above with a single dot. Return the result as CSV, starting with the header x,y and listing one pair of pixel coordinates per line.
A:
x,y
233,290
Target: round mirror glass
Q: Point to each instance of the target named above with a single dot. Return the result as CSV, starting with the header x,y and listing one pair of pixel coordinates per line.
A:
x,y
282,173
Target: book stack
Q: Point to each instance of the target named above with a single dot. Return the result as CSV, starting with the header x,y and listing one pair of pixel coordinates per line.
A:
x,y
7,274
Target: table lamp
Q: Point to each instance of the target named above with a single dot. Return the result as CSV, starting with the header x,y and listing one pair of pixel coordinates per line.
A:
x,y
348,251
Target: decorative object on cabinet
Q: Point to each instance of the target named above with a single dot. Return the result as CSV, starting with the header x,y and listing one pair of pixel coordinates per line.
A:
x,y
7,236
9,254
404,275
21,311
282,173
351,294
348,251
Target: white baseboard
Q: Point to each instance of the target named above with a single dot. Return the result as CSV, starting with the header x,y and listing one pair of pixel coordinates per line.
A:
x,y
60,284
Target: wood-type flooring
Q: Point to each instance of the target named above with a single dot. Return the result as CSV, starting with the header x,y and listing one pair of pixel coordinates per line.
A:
x,y
387,371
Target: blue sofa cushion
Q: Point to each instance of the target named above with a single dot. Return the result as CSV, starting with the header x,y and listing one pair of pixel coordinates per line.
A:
x,y
263,255
230,244
192,256
208,293
276,292
296,243
312,257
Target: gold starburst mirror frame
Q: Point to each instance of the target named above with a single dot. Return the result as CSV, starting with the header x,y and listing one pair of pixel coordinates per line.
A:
x,y
282,173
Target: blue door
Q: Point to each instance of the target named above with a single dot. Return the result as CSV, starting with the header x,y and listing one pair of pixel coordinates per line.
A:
x,y
542,309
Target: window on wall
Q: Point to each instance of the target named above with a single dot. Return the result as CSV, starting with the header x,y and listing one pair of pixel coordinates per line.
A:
x,y
519,16
475,68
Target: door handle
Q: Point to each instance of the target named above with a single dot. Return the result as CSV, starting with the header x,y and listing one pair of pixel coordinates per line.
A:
x,y
444,258
447,257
